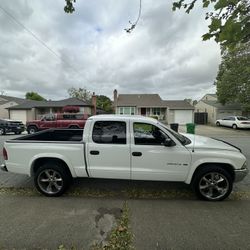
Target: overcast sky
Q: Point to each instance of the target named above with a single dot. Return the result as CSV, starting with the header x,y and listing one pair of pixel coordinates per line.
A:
x,y
164,54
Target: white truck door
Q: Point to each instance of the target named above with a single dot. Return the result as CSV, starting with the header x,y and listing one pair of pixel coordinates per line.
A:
x,y
151,160
108,150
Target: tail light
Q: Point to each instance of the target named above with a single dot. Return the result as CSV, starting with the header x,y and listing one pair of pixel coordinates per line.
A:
x,y
5,154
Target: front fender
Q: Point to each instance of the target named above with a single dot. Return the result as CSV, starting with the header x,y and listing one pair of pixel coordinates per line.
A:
x,y
205,161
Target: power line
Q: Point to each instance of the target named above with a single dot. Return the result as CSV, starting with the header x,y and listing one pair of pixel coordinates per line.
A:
x,y
133,25
37,38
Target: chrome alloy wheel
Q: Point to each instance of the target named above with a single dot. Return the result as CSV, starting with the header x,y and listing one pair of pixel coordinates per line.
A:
x,y
213,185
50,181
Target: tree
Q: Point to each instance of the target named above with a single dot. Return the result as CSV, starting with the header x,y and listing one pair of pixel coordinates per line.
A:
x,y
233,78
103,102
230,20
34,96
80,93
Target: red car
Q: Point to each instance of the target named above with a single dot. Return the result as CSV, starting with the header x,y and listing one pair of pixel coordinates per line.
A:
x,y
72,121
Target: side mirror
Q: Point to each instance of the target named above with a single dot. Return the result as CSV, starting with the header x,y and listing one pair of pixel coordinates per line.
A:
x,y
168,143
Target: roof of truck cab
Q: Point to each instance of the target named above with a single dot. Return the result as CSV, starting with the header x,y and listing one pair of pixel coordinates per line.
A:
x,y
123,117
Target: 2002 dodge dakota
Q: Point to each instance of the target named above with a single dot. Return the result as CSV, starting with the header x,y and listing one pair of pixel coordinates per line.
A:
x,y
126,147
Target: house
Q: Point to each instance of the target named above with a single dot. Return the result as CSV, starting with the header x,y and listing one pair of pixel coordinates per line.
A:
x,y
6,102
31,110
215,110
171,111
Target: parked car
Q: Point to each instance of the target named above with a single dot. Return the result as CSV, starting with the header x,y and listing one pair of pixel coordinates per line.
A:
x,y
70,120
234,122
10,126
126,147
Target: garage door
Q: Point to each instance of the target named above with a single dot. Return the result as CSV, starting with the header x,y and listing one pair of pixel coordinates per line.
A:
x,y
18,115
183,116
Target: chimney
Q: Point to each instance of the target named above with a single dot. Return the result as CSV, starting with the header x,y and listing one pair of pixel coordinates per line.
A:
x,y
94,104
115,100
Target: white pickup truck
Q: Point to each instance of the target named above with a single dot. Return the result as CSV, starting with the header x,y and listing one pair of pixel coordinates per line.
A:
x,y
125,147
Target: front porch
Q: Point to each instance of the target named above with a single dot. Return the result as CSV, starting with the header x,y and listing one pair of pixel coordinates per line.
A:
x,y
161,113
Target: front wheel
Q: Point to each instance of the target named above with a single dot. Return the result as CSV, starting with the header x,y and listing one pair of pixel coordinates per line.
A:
x,y
213,183
235,126
32,130
217,124
52,179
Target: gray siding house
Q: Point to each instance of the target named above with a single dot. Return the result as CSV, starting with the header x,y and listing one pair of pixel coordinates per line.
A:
x,y
31,110
216,110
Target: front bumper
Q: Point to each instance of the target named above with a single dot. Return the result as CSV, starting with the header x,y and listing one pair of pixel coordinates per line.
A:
x,y
240,174
3,168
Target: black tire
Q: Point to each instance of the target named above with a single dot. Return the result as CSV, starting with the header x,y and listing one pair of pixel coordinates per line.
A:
x,y
32,129
234,126
212,183
217,124
18,133
52,179
74,127
2,131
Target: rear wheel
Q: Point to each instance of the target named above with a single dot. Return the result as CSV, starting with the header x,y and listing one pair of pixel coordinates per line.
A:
x,y
52,179
217,124
2,131
32,129
234,126
213,183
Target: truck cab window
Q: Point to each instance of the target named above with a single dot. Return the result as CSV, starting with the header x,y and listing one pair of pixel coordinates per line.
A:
x,y
147,134
109,132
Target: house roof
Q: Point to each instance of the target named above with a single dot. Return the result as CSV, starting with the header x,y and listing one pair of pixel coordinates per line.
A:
x,y
51,104
140,100
150,100
178,104
5,99
229,106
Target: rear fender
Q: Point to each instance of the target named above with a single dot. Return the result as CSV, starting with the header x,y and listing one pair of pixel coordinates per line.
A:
x,y
54,156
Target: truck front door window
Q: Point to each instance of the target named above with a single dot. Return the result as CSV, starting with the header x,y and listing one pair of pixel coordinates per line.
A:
x,y
109,132
147,134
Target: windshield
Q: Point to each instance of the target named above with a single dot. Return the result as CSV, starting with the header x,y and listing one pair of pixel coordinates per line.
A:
x,y
181,138
242,118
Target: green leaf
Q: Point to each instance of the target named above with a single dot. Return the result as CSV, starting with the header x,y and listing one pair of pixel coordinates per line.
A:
x,y
215,24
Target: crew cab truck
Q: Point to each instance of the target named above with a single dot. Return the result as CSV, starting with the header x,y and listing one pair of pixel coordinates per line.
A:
x,y
60,120
126,147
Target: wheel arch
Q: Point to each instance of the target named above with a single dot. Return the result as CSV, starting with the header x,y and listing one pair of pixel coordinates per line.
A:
x,y
226,166
42,160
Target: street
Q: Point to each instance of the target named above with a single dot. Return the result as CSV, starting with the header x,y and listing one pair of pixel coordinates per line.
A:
x,y
161,215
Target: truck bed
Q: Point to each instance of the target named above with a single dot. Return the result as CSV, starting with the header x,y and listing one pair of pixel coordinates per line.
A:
x,y
67,135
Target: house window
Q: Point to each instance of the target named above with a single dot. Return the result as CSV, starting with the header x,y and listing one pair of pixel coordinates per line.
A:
x,y
126,110
156,111
121,111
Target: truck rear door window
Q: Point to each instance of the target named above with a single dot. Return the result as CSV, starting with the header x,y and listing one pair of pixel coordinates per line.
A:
x,y
109,132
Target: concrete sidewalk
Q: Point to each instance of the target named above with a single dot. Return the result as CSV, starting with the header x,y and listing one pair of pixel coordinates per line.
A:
x,y
190,225
43,223
36,222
